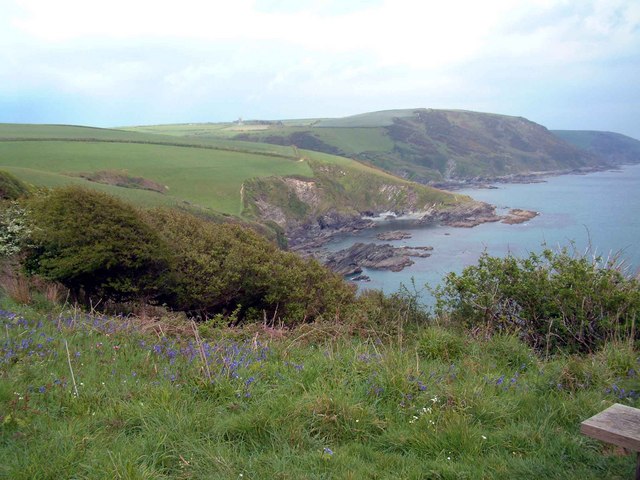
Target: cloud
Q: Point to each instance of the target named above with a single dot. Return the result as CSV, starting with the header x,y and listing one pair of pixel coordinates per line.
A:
x,y
277,58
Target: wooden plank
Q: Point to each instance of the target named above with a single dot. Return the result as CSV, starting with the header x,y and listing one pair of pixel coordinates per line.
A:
x,y
618,424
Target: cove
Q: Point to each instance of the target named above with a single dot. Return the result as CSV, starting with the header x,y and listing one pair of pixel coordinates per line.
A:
x,y
597,212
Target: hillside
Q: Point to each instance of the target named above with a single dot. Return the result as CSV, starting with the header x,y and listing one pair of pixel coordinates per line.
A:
x,y
611,147
427,145
214,175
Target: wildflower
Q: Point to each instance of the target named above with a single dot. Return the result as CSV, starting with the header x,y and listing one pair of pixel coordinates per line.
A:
x,y
483,437
42,389
328,451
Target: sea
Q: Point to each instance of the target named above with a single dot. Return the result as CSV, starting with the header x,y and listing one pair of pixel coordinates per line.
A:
x,y
597,214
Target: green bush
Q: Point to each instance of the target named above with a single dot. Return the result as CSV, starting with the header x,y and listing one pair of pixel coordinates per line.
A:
x,y
14,229
390,313
225,268
550,300
95,245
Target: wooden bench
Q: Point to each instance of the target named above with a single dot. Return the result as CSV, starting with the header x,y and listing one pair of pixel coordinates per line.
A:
x,y
619,425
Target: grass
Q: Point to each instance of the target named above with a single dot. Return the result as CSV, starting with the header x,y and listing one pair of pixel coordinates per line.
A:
x,y
156,401
204,172
208,178
382,118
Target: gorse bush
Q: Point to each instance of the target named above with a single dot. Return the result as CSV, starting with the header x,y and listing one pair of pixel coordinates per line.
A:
x,y
550,300
105,250
225,268
95,245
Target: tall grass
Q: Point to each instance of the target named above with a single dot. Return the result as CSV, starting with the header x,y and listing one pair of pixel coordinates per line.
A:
x,y
163,402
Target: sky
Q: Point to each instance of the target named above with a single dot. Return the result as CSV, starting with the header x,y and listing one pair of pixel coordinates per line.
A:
x,y
566,64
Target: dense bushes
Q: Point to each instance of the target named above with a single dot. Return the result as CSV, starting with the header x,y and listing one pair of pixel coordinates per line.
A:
x,y
225,268
552,300
95,245
103,249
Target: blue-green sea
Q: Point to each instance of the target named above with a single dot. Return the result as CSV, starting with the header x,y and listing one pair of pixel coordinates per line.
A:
x,y
598,212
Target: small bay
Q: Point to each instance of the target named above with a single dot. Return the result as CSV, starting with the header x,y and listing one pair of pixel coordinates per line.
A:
x,y
598,212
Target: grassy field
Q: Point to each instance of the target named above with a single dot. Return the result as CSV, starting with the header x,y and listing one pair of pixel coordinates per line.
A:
x,y
382,118
208,178
203,171
98,397
353,140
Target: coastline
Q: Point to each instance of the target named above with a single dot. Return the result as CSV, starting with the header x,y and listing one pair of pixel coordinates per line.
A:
x,y
520,178
310,241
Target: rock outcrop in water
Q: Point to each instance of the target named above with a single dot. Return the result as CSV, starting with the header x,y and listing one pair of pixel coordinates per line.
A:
x,y
350,261
517,215
393,235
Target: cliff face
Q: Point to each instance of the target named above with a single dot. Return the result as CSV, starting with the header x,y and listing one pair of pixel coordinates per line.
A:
x,y
610,147
462,145
341,198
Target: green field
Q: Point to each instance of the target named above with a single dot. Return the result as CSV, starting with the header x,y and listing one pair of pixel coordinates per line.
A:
x,y
197,169
208,178
428,145
382,118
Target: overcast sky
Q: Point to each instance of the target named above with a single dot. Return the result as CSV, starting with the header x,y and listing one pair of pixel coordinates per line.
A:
x,y
571,64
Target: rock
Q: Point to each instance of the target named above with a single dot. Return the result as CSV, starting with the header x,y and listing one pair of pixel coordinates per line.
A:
x,y
469,215
416,251
393,235
517,215
361,278
370,255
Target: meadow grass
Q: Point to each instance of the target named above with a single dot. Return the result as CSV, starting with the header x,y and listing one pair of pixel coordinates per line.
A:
x,y
208,178
156,401
199,171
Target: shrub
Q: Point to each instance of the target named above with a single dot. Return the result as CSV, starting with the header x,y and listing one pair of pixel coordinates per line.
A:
x,y
14,229
390,313
550,300
95,245
225,268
